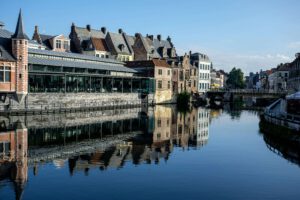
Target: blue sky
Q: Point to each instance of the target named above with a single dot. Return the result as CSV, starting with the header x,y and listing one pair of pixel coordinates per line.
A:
x,y
250,34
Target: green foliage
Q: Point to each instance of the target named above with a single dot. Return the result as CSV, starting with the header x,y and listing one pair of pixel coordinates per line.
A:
x,y
236,79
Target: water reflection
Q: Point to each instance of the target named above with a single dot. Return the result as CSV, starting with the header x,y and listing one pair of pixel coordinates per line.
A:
x,y
281,141
103,139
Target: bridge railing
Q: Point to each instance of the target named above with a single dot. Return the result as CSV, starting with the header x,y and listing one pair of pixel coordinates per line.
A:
x,y
250,91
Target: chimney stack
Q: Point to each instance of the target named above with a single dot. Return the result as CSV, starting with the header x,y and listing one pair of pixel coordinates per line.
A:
x,y
88,27
159,37
169,39
103,29
120,31
150,37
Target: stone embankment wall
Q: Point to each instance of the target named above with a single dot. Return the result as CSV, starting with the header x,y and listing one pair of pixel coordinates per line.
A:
x,y
50,101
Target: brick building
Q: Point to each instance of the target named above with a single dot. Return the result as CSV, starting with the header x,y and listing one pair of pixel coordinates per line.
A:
x,y
45,66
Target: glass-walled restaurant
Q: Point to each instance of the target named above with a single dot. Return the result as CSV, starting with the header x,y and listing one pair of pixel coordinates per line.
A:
x,y
52,79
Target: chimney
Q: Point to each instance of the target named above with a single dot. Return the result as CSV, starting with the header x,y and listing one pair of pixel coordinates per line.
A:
x,y
150,37
120,31
297,55
169,39
159,37
136,35
36,35
36,29
103,29
88,27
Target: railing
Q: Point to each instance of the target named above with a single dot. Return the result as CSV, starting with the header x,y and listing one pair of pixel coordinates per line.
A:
x,y
249,91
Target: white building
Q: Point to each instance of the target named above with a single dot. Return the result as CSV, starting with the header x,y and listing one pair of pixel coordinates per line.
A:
x,y
204,67
203,126
278,78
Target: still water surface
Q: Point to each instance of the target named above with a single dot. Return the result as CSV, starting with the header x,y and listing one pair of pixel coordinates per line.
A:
x,y
127,154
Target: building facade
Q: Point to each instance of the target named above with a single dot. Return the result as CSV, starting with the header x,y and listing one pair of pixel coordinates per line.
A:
x,y
161,71
42,69
278,78
294,75
204,65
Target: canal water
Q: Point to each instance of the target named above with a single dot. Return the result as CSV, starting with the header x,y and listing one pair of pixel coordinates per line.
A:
x,y
158,154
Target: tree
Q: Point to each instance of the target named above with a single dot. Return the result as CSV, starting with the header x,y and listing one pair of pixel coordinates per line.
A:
x,y
236,79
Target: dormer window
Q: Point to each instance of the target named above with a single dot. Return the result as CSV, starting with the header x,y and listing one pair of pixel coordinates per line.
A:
x,y
58,44
66,45
121,47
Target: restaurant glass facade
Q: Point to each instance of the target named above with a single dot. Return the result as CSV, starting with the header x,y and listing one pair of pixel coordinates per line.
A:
x,y
44,79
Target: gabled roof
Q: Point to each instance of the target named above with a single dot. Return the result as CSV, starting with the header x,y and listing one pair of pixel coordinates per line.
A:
x,y
45,40
99,44
19,33
119,44
84,33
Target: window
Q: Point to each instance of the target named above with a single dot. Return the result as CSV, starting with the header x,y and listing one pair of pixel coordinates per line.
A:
x,y
160,71
169,84
97,55
58,44
4,74
66,45
159,84
168,72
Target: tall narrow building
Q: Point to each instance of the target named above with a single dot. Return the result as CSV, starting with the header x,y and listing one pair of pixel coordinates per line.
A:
x,y
20,52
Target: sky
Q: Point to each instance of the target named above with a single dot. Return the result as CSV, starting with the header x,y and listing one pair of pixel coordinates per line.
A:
x,y
248,34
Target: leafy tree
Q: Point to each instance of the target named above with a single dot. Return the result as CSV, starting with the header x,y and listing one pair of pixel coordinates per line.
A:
x,y
236,79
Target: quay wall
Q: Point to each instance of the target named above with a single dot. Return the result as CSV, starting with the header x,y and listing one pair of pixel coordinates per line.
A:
x,y
52,101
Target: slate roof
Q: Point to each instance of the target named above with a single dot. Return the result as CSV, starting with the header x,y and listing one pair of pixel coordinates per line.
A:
x,y
200,57
5,33
5,45
45,40
118,41
20,34
104,64
72,55
65,63
85,34
99,44
162,43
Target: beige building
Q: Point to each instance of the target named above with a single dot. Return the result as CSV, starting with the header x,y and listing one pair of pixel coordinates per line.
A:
x,y
58,43
162,72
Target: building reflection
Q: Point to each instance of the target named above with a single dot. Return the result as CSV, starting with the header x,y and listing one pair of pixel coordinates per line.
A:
x,y
102,139
13,156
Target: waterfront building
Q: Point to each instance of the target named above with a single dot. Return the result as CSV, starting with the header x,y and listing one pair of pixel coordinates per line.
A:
x,y
279,77
120,45
294,75
24,67
58,43
204,65
217,79
184,75
161,71
149,47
